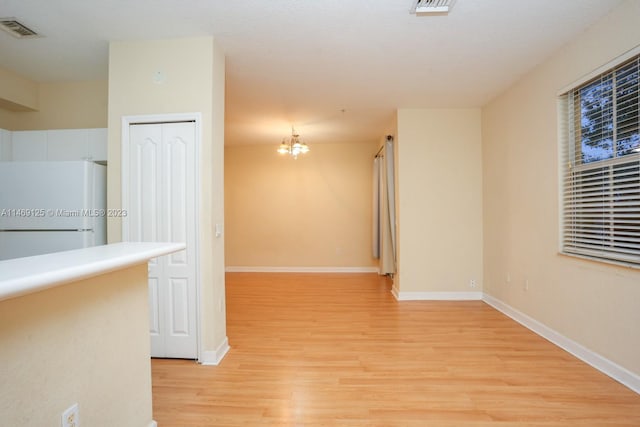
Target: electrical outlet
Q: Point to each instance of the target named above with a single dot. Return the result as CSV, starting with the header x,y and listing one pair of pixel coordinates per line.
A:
x,y
526,285
71,417
472,283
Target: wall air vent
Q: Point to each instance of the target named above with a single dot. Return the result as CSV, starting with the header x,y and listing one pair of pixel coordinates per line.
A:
x,y
16,29
428,7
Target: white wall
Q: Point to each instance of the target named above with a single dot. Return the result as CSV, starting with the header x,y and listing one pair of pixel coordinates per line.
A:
x,y
592,303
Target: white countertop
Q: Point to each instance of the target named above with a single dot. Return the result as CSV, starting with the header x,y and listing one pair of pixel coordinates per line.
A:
x,y
23,276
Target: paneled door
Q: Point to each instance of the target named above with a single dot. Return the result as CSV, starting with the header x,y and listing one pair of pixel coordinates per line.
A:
x,y
161,208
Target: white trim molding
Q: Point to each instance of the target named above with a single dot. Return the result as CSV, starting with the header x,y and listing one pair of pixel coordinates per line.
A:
x,y
436,296
153,423
240,269
213,358
604,365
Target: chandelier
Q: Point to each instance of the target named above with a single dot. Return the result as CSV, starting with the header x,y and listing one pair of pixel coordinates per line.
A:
x,y
293,146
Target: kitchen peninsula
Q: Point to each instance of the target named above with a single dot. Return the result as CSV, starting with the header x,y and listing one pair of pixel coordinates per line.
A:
x,y
74,329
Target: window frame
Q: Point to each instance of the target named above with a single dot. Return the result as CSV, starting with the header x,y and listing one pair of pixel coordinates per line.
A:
x,y
574,177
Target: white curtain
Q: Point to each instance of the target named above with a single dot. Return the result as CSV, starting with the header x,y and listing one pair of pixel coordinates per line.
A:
x,y
377,188
384,214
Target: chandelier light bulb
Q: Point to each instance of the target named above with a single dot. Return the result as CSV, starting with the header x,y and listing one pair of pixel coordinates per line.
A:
x,y
293,145
284,148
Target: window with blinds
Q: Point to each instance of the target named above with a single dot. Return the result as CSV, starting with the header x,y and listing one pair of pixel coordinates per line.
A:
x,y
601,181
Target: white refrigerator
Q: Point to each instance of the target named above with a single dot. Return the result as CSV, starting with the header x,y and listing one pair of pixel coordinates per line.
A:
x,y
51,206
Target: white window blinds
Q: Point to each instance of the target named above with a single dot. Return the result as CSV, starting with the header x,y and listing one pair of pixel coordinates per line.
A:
x,y
601,181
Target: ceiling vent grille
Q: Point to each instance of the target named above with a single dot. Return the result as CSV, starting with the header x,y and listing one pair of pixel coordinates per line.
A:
x,y
432,7
16,29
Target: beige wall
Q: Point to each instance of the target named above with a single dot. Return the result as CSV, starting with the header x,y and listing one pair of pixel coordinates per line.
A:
x,y
315,211
72,105
6,119
28,105
439,200
86,342
592,303
16,92
193,70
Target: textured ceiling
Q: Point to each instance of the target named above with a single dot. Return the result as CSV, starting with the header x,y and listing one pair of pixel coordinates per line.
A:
x,y
336,69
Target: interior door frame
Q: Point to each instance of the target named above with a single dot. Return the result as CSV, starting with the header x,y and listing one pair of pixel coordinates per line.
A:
x,y
124,176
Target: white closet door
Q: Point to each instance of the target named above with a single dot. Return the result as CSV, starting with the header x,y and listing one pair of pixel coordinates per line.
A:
x,y
178,225
162,208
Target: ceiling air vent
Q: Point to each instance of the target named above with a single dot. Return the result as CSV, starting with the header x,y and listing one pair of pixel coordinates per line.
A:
x,y
432,7
16,29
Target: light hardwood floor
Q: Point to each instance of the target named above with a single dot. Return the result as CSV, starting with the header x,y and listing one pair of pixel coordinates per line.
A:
x,y
339,350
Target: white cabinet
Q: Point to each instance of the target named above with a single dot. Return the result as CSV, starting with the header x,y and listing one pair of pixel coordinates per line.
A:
x,y
67,144
5,145
29,145
59,145
97,144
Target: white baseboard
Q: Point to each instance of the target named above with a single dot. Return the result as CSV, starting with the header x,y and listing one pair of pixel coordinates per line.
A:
x,y
152,424
599,362
240,269
436,296
213,358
